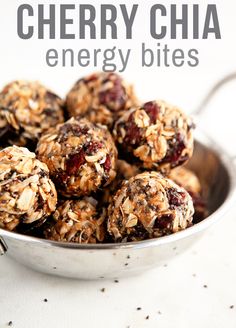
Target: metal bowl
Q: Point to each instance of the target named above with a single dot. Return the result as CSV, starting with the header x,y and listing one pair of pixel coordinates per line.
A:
x,y
94,261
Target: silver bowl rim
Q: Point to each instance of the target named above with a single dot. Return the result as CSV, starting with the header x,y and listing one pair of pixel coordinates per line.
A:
x,y
215,216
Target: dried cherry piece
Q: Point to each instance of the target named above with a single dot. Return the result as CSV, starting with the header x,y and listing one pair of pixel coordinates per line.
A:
x,y
175,198
174,154
152,109
107,164
74,162
133,132
163,222
116,94
93,147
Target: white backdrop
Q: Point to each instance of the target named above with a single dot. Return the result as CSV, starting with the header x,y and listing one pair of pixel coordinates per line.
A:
x,y
183,86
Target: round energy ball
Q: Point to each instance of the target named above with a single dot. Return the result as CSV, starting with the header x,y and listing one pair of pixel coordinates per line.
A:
x,y
77,221
189,181
186,179
147,206
27,109
100,97
156,134
81,157
27,194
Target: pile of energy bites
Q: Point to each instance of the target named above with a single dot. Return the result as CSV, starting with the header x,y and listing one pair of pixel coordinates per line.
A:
x,y
97,167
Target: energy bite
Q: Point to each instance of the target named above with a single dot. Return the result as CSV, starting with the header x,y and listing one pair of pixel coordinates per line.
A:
x,y
27,109
100,97
77,221
147,206
156,134
186,179
189,181
27,194
81,157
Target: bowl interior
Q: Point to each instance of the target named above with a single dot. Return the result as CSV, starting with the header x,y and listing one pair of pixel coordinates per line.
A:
x,y
213,175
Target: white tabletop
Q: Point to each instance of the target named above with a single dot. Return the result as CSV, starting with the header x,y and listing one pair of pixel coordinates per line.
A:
x,y
195,289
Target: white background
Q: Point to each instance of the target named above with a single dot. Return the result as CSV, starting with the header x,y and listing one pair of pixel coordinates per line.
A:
x,y
175,290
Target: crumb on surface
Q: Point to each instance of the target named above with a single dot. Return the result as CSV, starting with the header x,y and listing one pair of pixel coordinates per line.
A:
x,y
103,290
116,280
10,323
139,308
205,286
231,306
45,300
147,317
